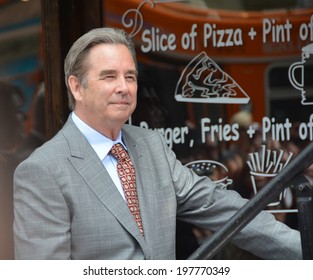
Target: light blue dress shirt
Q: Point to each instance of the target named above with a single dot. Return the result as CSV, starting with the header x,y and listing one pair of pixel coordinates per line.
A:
x,y
102,146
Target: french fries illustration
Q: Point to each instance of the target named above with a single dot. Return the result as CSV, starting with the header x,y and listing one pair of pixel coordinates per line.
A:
x,y
267,164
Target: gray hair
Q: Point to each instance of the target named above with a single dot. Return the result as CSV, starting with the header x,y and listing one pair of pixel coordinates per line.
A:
x,y
75,61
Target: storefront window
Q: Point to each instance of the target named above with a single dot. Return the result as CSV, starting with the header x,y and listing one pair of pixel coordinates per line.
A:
x,y
21,101
227,83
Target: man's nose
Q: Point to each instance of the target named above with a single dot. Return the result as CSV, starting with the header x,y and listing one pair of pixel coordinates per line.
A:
x,y
122,85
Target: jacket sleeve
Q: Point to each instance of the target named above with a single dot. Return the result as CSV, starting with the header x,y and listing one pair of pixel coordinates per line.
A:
x,y
42,219
202,203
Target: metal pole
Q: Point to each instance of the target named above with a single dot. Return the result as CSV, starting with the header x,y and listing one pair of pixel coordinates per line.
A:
x,y
304,193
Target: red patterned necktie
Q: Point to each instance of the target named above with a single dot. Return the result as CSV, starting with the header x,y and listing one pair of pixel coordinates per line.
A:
x,y
127,174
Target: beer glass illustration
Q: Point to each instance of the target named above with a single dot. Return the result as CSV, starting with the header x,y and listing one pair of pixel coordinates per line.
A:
x,y
302,82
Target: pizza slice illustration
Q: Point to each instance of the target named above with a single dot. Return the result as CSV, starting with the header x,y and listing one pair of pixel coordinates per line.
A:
x,y
203,81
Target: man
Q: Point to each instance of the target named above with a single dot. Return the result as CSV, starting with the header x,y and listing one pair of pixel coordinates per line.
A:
x,y
69,201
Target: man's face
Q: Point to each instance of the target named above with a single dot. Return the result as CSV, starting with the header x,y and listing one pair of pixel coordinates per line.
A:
x,y
111,93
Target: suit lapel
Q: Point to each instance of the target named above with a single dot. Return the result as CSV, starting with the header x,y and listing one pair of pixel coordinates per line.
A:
x,y
89,166
145,186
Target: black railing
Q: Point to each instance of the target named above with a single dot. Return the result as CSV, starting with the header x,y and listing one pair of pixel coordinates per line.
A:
x,y
290,176
304,191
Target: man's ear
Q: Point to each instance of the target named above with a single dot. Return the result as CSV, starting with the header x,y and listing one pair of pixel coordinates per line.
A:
x,y
75,87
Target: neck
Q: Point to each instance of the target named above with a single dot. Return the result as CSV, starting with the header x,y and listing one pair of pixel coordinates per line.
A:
x,y
111,134
106,128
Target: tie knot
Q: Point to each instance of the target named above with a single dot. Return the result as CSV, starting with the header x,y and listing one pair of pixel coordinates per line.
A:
x,y
119,152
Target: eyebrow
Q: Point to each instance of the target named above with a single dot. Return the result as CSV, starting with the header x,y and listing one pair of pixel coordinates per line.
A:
x,y
111,71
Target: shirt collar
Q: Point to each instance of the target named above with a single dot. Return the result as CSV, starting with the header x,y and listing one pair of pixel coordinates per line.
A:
x,y
100,143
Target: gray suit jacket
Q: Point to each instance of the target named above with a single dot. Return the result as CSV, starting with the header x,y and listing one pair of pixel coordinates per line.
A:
x,y
67,207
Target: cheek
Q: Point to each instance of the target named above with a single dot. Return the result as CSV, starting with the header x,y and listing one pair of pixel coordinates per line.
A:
x,y
93,99
134,100
134,92
100,94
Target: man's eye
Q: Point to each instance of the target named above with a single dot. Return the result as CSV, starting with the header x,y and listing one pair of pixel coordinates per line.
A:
x,y
108,77
131,78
